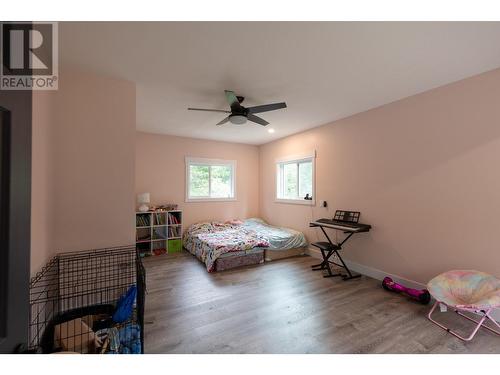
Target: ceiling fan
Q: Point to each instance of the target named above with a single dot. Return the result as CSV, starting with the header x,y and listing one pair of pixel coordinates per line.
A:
x,y
238,114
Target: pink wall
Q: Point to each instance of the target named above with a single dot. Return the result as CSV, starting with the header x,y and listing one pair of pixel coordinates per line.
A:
x,y
423,171
94,153
42,179
83,165
160,170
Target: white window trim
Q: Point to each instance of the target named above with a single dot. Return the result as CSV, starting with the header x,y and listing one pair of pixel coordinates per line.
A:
x,y
297,157
205,161
311,155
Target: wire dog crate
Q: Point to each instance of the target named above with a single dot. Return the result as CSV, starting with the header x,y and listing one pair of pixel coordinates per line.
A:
x,y
89,302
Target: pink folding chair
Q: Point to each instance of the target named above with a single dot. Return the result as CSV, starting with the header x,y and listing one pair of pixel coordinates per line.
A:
x,y
466,291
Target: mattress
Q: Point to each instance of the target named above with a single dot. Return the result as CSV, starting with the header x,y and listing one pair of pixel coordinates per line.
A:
x,y
255,250
234,260
279,238
211,241
270,255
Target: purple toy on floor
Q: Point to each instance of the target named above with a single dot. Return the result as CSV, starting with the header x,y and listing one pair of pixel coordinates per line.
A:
x,y
421,296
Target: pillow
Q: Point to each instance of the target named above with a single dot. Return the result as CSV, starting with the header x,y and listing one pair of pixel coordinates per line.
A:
x,y
234,222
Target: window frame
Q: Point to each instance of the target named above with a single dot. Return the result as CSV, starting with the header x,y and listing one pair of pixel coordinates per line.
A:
x,y
305,157
209,162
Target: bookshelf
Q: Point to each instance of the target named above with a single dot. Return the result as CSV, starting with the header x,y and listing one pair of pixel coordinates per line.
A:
x,y
158,232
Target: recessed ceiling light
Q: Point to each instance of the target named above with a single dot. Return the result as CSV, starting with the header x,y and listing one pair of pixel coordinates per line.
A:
x,y
270,130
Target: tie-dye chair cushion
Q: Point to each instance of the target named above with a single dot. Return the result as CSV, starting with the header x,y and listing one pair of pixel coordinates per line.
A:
x,y
466,289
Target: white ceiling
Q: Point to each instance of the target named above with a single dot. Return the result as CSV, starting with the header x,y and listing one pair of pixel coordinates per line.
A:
x,y
324,71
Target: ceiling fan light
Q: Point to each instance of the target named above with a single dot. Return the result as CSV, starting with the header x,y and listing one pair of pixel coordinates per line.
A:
x,y
237,119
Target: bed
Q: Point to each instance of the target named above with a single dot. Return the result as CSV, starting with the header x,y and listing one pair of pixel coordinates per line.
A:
x,y
283,242
223,246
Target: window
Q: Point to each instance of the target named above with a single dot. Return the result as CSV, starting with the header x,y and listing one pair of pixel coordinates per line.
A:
x,y
210,179
295,179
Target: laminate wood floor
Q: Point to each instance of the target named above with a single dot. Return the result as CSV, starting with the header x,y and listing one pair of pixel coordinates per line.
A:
x,y
284,307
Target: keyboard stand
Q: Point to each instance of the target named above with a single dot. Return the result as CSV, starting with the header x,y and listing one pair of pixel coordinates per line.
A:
x,y
332,249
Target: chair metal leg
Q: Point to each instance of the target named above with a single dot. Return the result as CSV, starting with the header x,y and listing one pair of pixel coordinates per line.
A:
x,y
320,266
487,315
479,324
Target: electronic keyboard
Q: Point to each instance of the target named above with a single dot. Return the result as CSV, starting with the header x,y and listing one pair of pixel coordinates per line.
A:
x,y
346,221
346,226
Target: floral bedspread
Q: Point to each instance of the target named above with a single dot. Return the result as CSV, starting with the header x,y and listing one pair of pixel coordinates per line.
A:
x,y
208,241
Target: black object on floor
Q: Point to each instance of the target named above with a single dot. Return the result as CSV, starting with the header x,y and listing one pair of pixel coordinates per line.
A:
x,y
347,222
74,297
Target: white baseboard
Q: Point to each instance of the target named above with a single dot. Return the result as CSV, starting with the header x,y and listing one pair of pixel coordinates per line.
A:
x,y
379,275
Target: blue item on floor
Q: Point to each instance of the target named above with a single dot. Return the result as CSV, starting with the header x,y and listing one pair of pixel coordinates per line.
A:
x,y
124,350
129,333
136,347
130,339
125,306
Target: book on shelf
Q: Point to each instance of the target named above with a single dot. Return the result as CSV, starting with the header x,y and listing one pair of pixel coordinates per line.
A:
x,y
173,218
142,220
158,232
159,218
174,232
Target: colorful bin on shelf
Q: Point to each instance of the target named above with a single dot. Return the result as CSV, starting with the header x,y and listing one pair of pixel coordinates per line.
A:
x,y
174,246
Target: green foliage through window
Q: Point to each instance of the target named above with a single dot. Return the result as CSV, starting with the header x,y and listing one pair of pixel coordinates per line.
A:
x,y
199,186
221,181
295,179
210,181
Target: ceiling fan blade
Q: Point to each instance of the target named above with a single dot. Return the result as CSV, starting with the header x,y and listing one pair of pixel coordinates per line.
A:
x,y
208,110
223,121
266,107
232,99
257,120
